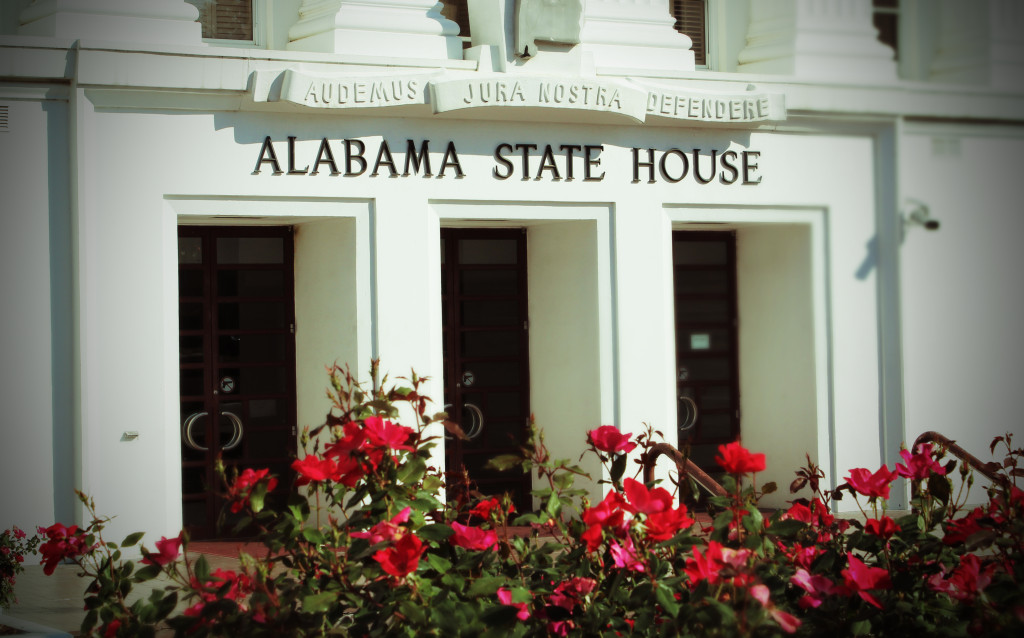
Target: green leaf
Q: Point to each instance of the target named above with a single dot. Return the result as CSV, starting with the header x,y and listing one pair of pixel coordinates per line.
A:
x,y
788,528
554,506
768,488
504,462
438,563
318,603
202,569
667,601
131,539
149,572
860,628
435,532
412,470
486,586
618,467
313,535
257,496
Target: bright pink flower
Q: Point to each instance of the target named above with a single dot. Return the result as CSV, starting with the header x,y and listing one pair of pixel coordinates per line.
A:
x,y
883,527
818,588
921,465
626,556
967,580
505,598
560,627
859,578
403,557
473,538
803,556
873,485
385,530
787,622
647,501
381,433
61,543
736,459
168,551
571,592
717,564
607,438
241,490
18,533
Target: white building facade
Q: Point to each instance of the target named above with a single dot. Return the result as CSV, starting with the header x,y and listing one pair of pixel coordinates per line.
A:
x,y
566,212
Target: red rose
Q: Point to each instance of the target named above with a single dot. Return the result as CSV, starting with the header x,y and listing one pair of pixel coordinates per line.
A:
x,y
883,527
314,469
473,537
736,459
607,438
873,485
860,578
61,543
403,557
168,549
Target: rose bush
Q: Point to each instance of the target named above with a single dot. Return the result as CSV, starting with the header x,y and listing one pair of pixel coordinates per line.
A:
x,y
367,549
14,545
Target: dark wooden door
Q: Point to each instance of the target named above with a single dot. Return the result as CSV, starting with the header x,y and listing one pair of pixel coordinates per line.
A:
x,y
486,355
707,370
237,362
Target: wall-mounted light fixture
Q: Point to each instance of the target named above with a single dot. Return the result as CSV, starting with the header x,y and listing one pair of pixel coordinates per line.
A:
x,y
916,213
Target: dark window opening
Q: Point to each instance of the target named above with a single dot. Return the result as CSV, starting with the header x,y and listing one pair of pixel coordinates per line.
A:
x,y
691,20
885,17
225,19
457,12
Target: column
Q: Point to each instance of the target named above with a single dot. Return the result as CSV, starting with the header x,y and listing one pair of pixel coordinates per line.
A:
x,y
816,39
980,43
149,21
380,28
634,34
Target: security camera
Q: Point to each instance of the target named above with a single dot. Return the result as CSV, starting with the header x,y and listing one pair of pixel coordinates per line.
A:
x,y
920,216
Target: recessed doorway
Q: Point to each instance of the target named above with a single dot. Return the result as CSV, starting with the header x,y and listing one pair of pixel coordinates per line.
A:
x,y
486,355
236,360
707,345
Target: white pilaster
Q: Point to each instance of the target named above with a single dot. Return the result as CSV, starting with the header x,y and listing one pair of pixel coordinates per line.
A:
x,y
816,39
980,43
151,21
634,34
386,28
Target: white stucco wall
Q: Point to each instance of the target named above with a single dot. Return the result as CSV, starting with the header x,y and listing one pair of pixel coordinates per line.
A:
x,y
962,293
35,427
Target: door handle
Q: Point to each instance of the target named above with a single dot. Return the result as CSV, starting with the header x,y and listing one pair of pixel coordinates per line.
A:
x,y
477,425
236,434
691,413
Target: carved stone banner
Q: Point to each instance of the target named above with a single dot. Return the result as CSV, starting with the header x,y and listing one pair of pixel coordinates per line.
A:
x,y
514,91
706,106
635,100
354,91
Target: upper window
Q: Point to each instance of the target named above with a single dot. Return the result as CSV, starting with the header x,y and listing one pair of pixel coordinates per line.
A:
x,y
226,19
691,20
885,16
457,12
